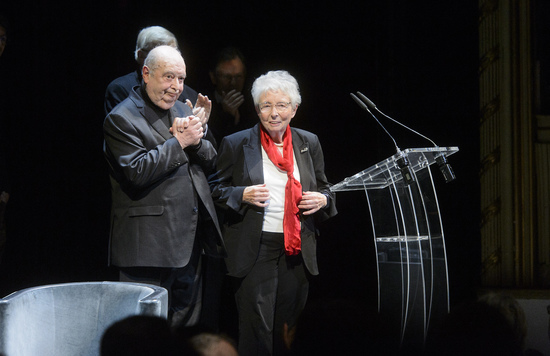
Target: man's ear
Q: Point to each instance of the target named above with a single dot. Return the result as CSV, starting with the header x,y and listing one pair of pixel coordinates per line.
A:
x,y
145,74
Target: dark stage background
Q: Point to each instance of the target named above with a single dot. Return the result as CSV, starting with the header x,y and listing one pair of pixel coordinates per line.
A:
x,y
416,60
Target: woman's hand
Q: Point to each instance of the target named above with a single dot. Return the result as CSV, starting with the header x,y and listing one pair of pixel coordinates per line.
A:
x,y
256,195
312,202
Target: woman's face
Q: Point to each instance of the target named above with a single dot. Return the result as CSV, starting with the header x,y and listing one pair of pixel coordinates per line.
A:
x,y
275,112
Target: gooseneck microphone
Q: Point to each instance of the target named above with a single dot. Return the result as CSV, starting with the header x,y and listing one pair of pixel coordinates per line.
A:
x,y
365,107
440,159
373,106
402,161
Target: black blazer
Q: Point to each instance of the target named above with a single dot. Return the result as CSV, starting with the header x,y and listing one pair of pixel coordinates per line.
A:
x,y
239,164
156,187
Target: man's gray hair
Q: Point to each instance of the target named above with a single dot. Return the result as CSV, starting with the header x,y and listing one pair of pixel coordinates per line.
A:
x,y
153,36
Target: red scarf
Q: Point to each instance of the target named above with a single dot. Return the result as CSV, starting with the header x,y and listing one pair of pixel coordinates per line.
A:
x,y
293,188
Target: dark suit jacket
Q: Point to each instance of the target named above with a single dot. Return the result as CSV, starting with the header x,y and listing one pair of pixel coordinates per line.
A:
x,y
156,187
121,87
239,164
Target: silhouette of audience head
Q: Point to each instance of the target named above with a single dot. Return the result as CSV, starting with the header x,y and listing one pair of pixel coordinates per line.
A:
x,y
209,344
142,335
511,310
336,327
478,328
151,37
204,341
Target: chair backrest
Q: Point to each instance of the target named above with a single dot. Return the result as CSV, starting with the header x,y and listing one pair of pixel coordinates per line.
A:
x,y
70,318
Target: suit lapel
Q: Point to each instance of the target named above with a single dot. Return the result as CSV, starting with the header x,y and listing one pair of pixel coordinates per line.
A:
x,y
151,116
253,156
156,123
301,154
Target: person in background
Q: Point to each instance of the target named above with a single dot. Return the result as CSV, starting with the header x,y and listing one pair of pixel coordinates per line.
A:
x,y
230,110
271,188
163,220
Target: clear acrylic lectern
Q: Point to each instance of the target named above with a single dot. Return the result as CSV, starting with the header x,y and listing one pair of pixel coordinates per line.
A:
x,y
413,286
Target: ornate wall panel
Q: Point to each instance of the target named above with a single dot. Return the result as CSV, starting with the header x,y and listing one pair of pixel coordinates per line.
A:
x,y
506,148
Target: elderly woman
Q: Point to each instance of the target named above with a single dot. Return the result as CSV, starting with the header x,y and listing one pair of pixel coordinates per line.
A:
x,y
271,189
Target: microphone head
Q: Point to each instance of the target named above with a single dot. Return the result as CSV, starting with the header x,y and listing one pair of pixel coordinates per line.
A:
x,y
358,101
366,100
405,168
366,108
445,168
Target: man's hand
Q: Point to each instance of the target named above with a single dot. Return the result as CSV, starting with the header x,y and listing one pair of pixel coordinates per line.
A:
x,y
188,130
202,109
231,102
4,197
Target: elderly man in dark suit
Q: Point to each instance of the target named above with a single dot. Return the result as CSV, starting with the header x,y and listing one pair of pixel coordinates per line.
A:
x,y
163,217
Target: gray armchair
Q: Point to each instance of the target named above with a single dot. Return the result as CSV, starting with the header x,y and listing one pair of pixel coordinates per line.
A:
x,y
69,319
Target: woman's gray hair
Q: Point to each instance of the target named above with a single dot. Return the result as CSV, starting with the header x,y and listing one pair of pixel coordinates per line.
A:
x,y
153,36
278,80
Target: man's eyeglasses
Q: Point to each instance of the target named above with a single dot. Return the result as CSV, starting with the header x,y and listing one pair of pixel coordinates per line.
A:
x,y
229,77
268,107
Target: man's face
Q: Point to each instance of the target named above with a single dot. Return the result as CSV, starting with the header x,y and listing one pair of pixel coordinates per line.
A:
x,y
164,83
229,76
3,39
